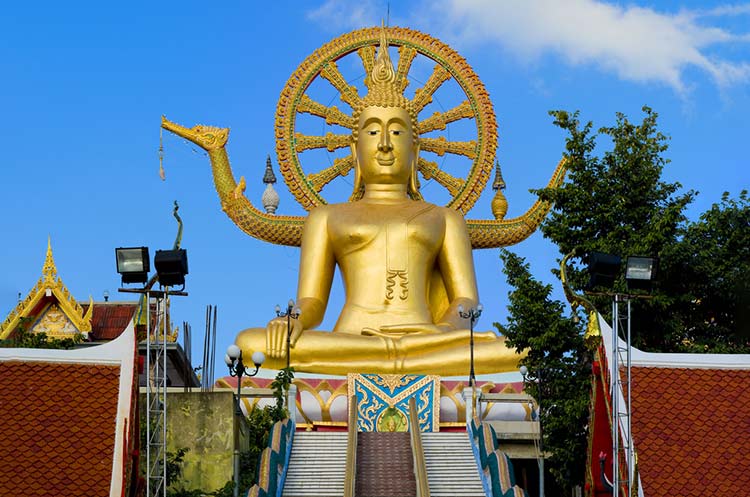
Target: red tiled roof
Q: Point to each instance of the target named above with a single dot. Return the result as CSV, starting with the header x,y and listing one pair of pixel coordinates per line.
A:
x,y
691,429
57,428
110,319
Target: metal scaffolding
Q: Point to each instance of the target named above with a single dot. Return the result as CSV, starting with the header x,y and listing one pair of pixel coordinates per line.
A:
x,y
620,387
156,396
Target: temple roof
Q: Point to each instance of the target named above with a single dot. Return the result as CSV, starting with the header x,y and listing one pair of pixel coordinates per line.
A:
x,y
690,421
691,428
68,419
66,451
109,319
50,306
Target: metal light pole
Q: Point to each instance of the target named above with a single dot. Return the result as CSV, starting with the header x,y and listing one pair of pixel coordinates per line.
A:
x,y
233,360
290,313
473,316
528,378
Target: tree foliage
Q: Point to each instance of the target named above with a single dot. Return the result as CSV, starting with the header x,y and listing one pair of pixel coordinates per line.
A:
x,y
559,360
618,203
615,201
710,278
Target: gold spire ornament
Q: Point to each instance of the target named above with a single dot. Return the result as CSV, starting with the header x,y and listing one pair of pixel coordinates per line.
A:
x,y
499,202
61,317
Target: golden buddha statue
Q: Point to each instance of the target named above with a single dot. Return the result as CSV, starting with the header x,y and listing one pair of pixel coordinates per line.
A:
x,y
406,264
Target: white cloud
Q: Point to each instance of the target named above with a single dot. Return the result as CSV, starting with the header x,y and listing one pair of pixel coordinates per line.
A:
x,y
636,43
341,14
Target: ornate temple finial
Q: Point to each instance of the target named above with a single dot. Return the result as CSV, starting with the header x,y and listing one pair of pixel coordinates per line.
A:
x,y
49,270
499,182
270,198
269,176
499,202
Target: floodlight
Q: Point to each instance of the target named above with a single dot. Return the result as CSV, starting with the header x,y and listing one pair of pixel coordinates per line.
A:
x,y
640,272
171,266
603,269
133,264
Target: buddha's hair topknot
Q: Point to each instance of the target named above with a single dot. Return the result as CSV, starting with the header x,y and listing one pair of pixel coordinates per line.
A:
x,y
384,90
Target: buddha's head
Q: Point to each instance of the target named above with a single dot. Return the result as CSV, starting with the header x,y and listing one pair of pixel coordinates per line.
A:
x,y
385,142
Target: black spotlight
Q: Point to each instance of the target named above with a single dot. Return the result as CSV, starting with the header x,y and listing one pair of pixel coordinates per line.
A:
x,y
171,266
603,269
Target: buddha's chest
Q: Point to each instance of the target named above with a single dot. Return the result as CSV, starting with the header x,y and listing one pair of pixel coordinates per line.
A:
x,y
416,228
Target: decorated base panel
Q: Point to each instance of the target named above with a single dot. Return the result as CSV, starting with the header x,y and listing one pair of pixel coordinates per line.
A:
x,y
383,401
322,402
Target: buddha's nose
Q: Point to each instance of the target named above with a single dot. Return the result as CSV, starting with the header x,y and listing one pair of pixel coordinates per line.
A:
x,y
384,145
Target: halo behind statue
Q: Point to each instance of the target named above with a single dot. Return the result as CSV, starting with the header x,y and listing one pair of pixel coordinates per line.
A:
x,y
294,100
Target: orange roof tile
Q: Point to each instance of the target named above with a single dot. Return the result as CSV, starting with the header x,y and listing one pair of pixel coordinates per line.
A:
x,y
691,429
57,428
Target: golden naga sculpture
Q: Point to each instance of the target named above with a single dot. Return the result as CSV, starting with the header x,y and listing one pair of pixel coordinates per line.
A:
x,y
407,264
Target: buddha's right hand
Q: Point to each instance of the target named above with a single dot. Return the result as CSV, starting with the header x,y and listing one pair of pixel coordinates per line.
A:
x,y
276,336
207,137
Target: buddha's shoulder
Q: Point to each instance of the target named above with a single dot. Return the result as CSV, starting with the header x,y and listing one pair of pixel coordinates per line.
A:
x,y
445,212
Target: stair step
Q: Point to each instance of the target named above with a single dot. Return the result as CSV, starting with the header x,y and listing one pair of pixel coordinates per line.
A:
x,y
451,467
317,465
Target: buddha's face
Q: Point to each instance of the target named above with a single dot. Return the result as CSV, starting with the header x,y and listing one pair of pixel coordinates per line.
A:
x,y
385,148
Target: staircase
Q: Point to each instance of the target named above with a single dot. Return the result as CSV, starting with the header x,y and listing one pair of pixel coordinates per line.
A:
x,y
385,466
451,468
317,465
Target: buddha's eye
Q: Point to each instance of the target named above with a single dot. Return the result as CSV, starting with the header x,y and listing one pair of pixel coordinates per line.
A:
x,y
372,132
396,132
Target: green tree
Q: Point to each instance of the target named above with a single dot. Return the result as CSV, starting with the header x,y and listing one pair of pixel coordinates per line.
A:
x,y
710,277
615,201
618,204
559,359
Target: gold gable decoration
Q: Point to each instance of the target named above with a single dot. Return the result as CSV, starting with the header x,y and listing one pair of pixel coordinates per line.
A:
x,y
57,318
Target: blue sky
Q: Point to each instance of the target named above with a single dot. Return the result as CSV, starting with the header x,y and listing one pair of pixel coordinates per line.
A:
x,y
84,86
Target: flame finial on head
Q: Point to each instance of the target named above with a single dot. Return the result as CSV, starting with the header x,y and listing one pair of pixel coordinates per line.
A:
x,y
383,88
383,73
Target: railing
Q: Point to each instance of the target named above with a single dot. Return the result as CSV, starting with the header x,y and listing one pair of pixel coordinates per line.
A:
x,y
351,450
420,468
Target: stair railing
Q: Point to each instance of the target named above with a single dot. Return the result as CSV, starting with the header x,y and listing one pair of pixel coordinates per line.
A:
x,y
417,450
351,450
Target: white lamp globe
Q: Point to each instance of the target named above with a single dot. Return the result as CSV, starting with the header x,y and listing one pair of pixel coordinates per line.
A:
x,y
258,358
234,352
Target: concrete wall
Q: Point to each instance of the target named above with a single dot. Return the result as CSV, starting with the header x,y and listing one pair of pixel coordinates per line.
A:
x,y
201,422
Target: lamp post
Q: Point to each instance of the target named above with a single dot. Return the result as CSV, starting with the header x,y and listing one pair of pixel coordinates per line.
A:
x,y
472,315
233,360
290,313
530,378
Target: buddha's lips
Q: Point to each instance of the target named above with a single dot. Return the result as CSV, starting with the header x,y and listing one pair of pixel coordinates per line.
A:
x,y
386,162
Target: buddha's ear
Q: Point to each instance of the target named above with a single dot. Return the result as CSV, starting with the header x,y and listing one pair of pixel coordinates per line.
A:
x,y
357,170
413,186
